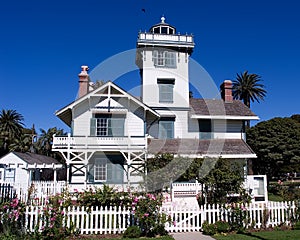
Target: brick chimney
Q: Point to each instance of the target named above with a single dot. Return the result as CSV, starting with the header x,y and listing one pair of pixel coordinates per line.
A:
x,y
226,91
83,81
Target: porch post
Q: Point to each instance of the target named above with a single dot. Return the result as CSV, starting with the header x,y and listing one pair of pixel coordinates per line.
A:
x,y
128,169
85,175
68,173
54,179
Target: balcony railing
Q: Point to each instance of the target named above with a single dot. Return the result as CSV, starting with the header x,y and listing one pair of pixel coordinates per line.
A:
x,y
101,143
185,39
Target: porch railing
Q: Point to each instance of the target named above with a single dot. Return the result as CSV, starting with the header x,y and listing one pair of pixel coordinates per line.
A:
x,y
86,142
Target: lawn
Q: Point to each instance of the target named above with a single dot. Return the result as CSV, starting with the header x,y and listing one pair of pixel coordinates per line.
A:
x,y
119,237
263,235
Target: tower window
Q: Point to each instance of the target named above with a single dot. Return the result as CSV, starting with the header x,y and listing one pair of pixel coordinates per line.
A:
x,y
164,59
166,87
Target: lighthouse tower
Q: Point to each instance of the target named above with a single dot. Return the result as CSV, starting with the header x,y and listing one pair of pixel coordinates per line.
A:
x,y
162,57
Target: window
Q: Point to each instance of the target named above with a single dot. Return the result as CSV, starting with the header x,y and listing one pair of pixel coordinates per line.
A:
x,y
164,58
100,170
107,125
106,168
205,129
165,87
10,174
166,128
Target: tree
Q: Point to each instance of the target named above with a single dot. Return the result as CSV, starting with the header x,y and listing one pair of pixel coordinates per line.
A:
x,y
221,178
11,126
21,144
248,87
44,143
277,145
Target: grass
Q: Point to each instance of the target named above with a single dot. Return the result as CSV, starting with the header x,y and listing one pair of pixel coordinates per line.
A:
x,y
275,198
262,235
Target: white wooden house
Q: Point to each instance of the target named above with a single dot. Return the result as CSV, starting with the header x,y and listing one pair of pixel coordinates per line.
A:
x,y
113,132
21,170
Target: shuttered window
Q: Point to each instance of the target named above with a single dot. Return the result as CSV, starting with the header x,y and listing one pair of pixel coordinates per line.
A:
x,y
106,169
107,125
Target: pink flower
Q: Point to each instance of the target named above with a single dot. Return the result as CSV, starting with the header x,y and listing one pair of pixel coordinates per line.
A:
x,y
174,223
53,219
62,212
146,214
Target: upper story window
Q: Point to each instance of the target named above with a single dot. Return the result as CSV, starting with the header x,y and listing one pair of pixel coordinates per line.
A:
x,y
163,58
107,125
166,89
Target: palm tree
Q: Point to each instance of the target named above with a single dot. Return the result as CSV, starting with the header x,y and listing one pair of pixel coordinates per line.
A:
x,y
45,140
21,144
248,87
11,125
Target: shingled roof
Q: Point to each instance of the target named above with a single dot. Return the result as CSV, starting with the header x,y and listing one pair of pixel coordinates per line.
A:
x,y
200,147
33,158
215,107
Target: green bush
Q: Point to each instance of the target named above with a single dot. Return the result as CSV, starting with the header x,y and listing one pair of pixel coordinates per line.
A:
x,y
159,230
132,232
222,227
209,228
296,226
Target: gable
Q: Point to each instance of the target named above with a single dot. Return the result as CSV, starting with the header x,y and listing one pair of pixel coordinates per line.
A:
x,y
106,96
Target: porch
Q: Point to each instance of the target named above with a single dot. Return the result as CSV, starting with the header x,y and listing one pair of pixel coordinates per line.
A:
x,y
103,143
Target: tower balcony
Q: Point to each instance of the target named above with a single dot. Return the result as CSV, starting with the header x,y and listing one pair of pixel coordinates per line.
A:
x,y
102,143
158,39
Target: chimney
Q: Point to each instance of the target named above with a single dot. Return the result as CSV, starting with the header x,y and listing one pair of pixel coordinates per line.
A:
x,y
83,81
226,91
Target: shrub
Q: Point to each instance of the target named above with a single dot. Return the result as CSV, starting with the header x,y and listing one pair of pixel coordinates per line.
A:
x,y
132,232
222,227
209,228
12,221
296,226
146,212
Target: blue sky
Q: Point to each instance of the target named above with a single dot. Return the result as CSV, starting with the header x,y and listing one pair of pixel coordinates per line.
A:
x,y
44,43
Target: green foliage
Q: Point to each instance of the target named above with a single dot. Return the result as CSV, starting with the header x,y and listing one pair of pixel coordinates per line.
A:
x,y
277,145
132,232
146,211
223,184
12,221
237,217
222,227
209,228
105,196
248,87
286,191
163,170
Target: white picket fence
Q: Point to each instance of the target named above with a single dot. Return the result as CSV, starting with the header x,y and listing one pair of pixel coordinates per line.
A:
x,y
40,190
101,220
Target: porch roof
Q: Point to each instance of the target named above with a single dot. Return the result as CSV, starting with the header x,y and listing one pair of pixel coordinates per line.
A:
x,y
226,148
33,161
217,108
